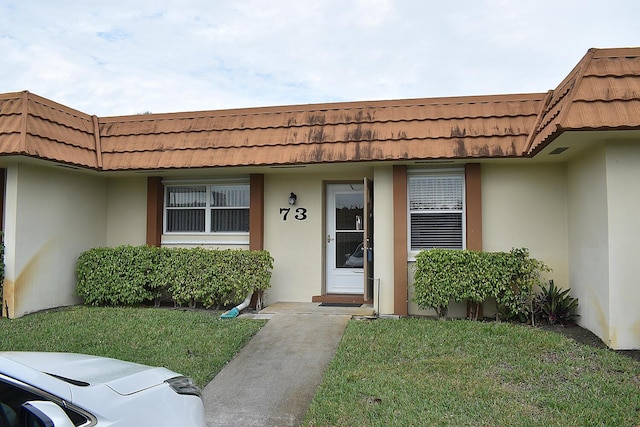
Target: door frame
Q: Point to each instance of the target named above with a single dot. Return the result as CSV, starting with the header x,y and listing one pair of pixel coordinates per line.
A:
x,y
368,240
367,285
349,279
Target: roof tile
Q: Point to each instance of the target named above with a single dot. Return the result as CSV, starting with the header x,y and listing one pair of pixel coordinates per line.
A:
x,y
359,131
601,92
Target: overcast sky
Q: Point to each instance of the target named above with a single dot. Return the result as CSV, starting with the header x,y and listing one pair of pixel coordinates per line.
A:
x,y
127,57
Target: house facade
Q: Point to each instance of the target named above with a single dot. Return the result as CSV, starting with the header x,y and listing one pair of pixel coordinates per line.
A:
x,y
342,195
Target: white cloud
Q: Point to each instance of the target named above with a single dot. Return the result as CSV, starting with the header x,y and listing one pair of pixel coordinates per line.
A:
x,y
120,57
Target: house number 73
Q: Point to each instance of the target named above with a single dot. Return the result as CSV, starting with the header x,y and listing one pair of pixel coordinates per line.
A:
x,y
300,213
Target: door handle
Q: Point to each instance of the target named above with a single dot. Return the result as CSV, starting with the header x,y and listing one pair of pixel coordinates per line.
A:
x,y
329,238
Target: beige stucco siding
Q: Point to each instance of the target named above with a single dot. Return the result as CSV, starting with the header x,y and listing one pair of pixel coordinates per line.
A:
x,y
623,200
383,239
604,231
297,244
525,206
588,240
51,216
126,211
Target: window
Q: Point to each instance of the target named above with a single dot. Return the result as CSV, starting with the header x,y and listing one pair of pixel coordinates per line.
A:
x,y
211,208
13,396
436,210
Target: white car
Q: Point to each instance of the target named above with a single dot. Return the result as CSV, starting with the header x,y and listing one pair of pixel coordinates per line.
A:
x,y
66,390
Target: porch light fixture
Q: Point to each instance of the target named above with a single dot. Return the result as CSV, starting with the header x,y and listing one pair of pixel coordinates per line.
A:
x,y
292,198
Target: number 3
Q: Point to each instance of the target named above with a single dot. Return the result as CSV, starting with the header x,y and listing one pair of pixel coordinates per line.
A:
x,y
301,214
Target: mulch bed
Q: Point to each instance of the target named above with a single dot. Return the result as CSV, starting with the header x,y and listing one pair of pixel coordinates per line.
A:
x,y
584,336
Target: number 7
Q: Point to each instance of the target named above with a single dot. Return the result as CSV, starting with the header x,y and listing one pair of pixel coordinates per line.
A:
x,y
286,212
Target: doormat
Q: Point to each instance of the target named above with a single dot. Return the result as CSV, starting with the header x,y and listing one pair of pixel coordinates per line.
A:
x,y
340,304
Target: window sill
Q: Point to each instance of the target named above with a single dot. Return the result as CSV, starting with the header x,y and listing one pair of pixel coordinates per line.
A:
x,y
218,239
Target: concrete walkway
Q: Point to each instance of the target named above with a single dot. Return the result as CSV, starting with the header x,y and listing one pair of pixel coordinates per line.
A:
x,y
273,379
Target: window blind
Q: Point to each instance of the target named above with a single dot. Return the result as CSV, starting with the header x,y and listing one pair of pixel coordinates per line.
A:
x,y
436,211
209,208
438,230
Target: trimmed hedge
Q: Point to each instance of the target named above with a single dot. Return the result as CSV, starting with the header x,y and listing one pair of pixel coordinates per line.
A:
x,y
132,275
443,276
1,271
1,260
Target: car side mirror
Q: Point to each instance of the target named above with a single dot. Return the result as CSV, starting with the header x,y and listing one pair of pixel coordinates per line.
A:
x,y
43,414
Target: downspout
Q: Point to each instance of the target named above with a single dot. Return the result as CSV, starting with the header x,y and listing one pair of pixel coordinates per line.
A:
x,y
235,311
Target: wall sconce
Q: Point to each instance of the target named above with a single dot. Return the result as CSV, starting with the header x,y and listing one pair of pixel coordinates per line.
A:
x,y
292,198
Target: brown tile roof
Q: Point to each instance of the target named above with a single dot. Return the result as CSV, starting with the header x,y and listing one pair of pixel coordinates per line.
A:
x,y
493,126
602,92
37,127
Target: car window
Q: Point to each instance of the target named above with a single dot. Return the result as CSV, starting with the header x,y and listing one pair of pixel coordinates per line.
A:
x,y
12,396
11,399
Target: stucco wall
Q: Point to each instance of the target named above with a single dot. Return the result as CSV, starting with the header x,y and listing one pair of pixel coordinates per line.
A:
x,y
126,211
588,240
383,239
623,200
297,245
51,216
525,206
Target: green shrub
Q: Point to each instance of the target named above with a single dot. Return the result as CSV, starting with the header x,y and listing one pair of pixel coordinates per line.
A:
x,y
188,276
159,277
129,275
116,276
1,272
1,269
1,260
552,305
515,295
443,276
435,287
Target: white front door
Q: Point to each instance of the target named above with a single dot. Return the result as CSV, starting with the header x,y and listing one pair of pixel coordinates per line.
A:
x,y
345,236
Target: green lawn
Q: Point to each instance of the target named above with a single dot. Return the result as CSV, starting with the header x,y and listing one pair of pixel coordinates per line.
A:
x,y
416,372
408,372
197,344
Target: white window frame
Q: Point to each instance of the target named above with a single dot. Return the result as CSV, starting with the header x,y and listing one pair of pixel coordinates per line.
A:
x,y
434,173
208,208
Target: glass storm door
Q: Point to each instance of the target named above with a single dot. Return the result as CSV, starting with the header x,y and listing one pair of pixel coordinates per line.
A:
x,y
368,240
345,239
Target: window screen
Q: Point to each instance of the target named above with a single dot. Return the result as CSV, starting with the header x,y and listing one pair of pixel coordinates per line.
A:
x,y
436,210
207,208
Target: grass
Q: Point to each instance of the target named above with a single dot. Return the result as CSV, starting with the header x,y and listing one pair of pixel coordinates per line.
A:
x,y
413,372
197,344
404,372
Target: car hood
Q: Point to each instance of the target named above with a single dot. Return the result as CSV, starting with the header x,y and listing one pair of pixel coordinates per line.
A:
x,y
84,370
